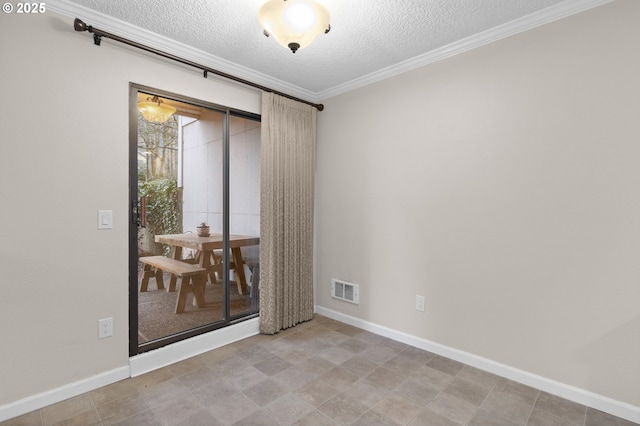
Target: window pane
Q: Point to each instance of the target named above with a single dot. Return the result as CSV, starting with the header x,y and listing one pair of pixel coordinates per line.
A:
x,y
244,212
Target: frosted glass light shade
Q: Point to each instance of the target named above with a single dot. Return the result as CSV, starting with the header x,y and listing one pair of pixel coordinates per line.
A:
x,y
154,111
294,23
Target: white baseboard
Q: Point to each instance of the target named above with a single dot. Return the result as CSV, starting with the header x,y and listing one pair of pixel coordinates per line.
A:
x,y
35,402
572,393
184,349
138,365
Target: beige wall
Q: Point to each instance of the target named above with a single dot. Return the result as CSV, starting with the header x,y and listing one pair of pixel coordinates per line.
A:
x,y
64,155
504,185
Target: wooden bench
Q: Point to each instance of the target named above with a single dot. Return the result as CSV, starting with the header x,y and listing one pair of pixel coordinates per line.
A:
x,y
192,278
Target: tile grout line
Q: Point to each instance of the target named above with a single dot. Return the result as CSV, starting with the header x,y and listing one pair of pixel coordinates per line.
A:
x,y
95,408
533,408
485,398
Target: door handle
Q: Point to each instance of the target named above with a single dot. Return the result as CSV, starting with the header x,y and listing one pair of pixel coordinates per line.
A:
x,y
137,212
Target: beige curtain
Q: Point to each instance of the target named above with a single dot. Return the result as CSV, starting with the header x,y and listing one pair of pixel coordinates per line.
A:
x,y
287,169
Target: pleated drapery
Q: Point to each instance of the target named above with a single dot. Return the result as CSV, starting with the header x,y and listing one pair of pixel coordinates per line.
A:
x,y
287,170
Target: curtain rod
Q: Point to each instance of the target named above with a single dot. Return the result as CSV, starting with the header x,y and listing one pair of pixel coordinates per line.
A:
x,y
79,25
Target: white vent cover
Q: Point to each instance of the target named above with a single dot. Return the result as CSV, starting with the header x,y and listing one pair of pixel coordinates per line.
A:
x,y
343,290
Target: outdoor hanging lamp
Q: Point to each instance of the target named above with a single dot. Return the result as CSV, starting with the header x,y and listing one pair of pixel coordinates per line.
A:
x,y
154,111
294,23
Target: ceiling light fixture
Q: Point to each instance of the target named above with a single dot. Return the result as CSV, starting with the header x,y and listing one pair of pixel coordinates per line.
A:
x,y
154,111
294,23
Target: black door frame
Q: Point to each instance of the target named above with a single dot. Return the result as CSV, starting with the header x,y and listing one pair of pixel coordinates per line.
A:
x,y
134,347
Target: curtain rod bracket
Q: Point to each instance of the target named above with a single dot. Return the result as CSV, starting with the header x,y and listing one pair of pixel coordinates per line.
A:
x,y
79,25
206,73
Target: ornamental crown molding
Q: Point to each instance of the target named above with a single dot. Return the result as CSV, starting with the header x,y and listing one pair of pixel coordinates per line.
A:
x,y
151,39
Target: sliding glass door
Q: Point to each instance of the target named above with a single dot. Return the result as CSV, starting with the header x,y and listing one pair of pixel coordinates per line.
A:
x,y
192,164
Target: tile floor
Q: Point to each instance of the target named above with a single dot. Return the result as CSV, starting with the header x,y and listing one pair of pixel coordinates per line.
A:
x,y
321,372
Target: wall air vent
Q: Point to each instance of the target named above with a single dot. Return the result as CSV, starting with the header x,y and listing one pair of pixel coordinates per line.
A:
x,y
343,290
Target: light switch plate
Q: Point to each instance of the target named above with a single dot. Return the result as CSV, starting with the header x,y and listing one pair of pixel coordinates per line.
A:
x,y
420,303
105,219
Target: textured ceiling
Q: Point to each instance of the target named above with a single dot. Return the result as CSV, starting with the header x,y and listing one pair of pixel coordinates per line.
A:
x,y
366,38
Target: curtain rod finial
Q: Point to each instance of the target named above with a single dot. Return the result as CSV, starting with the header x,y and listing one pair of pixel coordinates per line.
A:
x,y
79,25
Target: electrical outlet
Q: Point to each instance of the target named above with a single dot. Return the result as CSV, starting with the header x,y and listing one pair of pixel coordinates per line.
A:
x,y
420,303
105,328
